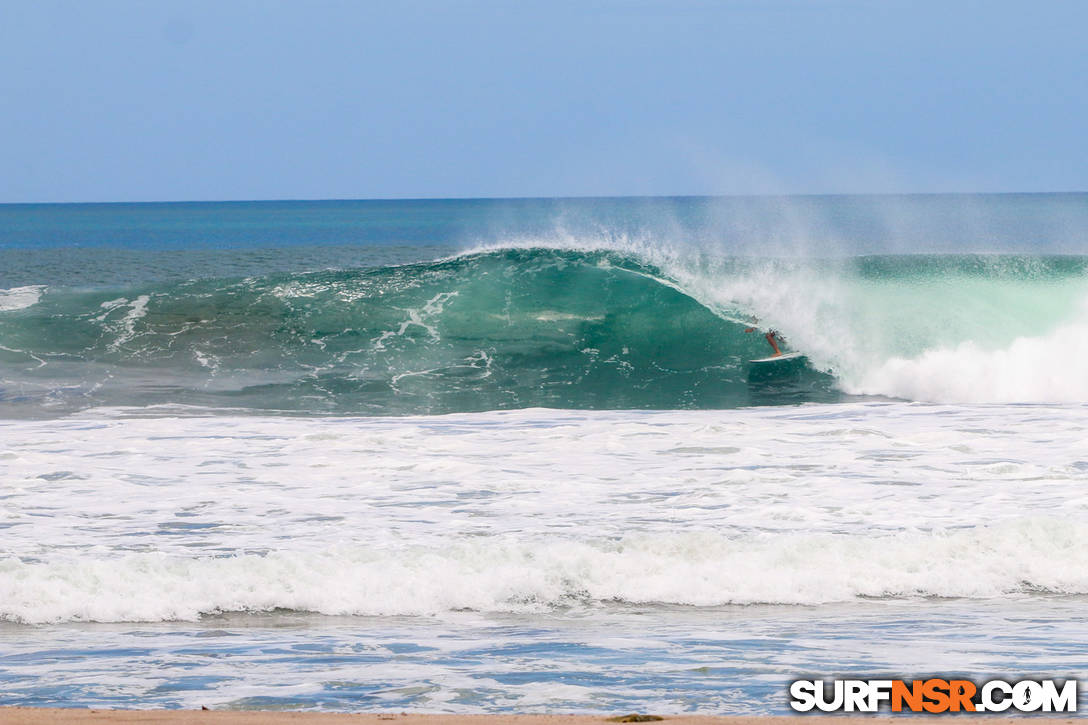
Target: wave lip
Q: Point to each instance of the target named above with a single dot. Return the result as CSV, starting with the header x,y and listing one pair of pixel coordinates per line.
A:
x,y
502,574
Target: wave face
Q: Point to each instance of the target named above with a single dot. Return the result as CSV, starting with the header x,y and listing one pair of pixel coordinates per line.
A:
x,y
570,326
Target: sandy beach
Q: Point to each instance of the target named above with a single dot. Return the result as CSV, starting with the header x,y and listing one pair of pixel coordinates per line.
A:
x,y
36,716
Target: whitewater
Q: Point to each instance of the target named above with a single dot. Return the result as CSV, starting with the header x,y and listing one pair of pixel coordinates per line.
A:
x,y
465,456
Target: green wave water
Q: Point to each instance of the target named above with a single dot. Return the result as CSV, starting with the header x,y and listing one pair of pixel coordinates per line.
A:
x,y
521,327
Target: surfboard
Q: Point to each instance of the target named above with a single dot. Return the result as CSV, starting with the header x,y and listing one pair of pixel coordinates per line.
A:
x,y
778,358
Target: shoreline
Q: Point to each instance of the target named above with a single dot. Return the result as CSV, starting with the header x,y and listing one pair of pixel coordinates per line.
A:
x,y
40,716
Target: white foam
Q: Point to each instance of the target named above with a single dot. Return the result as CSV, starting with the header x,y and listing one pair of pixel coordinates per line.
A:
x,y
417,318
18,298
118,518
125,327
1048,368
505,574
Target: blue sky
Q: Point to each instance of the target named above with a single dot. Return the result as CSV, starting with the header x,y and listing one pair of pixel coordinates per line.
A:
x,y
126,101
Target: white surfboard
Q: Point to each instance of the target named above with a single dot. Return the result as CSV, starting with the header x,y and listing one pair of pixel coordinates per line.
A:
x,y
779,358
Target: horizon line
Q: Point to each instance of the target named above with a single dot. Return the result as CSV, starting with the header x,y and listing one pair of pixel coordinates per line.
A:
x,y
574,197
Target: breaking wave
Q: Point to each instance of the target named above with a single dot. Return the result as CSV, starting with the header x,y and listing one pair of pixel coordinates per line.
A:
x,y
568,326
1026,556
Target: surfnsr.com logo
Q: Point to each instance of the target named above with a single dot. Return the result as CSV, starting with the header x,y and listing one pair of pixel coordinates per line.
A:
x,y
934,695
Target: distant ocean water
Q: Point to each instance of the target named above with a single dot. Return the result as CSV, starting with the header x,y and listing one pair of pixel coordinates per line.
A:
x,y
484,455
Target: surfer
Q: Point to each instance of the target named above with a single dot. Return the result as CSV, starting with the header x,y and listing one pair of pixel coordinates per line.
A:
x,y
773,338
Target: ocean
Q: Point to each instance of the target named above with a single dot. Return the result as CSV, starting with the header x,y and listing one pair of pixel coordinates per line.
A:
x,y
512,455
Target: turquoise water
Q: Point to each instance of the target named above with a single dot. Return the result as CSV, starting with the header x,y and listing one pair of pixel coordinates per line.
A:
x,y
427,307
512,455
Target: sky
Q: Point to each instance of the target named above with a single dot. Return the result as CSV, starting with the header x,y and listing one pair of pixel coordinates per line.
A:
x,y
235,99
